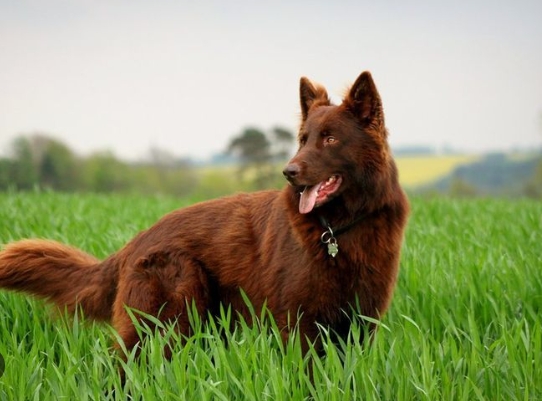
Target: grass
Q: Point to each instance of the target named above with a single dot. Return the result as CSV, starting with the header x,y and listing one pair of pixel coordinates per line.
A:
x,y
465,323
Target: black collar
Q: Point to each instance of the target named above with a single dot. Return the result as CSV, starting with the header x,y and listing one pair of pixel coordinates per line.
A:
x,y
328,236
337,231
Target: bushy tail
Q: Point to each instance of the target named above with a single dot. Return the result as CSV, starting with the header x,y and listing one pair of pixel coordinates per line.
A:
x,y
66,276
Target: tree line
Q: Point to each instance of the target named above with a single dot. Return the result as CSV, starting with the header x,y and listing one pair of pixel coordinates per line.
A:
x,y
40,161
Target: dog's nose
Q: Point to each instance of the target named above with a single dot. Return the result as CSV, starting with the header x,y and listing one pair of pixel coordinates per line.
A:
x,y
291,170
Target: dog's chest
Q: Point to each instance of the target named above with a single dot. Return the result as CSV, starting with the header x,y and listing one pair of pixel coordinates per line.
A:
x,y
333,284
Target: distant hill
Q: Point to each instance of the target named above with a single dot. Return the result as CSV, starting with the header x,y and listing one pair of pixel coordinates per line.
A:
x,y
493,174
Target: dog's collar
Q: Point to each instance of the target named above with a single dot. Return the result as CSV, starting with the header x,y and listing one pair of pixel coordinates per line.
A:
x,y
337,231
328,237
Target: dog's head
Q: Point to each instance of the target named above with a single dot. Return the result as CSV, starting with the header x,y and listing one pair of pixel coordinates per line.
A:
x,y
341,147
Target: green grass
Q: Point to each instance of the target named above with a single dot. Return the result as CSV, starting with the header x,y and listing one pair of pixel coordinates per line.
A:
x,y
465,323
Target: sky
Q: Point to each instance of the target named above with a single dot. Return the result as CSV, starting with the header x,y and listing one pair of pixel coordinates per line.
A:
x,y
187,76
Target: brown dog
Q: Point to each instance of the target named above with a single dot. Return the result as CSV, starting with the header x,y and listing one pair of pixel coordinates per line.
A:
x,y
325,244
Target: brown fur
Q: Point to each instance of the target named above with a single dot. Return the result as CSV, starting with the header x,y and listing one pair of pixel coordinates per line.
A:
x,y
257,242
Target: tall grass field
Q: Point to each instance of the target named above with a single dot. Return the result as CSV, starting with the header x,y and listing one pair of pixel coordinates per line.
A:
x,y
465,322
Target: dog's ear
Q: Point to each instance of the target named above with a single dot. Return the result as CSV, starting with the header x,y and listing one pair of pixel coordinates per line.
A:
x,y
364,101
310,95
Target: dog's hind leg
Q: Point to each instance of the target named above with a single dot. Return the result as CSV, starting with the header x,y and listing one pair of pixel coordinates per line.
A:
x,y
164,285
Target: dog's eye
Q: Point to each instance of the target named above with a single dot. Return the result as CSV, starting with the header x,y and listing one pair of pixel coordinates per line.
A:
x,y
328,140
303,140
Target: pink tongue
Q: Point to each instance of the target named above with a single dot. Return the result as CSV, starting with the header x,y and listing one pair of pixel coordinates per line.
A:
x,y
308,199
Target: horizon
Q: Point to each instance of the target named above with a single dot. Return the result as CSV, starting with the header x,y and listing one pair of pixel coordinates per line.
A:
x,y
223,158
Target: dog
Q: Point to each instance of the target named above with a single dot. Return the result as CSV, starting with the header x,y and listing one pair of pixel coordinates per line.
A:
x,y
324,247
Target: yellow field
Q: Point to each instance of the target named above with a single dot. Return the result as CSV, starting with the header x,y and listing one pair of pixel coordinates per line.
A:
x,y
418,170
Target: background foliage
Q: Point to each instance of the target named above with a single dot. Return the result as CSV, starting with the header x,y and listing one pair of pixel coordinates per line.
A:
x,y
252,160
40,161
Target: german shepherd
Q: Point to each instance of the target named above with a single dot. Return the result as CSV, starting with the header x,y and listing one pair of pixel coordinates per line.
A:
x,y
326,245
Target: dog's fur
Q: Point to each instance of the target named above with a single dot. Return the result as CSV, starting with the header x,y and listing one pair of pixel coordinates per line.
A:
x,y
267,244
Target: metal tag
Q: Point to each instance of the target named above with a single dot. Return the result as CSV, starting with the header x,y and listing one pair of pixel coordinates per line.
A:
x,y
328,238
332,248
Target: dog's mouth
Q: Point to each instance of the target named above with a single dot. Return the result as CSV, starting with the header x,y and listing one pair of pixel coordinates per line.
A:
x,y
316,195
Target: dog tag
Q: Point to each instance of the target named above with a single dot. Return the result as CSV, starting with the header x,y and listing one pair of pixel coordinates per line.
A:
x,y
332,248
328,238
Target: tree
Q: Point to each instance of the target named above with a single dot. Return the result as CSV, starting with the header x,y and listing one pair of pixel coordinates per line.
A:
x,y
6,170
257,153
40,160
24,173
58,167
254,150
103,172
251,146
283,140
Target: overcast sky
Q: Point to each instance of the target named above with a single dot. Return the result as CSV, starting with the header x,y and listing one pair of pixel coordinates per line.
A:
x,y
187,76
